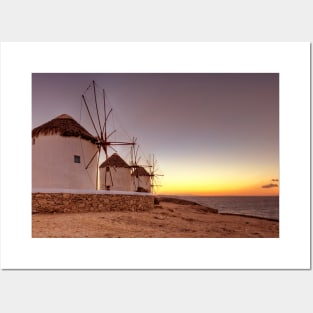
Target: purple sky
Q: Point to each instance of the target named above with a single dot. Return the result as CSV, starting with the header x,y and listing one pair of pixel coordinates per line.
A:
x,y
197,125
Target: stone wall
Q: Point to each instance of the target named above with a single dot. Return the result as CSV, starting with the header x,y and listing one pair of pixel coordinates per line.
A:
x,y
74,203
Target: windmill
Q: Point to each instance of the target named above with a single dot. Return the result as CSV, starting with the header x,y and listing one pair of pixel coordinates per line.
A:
x,y
103,136
139,176
143,180
153,173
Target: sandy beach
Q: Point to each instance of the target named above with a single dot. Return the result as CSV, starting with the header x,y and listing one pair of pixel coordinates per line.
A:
x,y
171,218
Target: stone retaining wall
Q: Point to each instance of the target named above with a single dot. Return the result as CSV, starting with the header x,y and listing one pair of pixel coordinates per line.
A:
x,y
75,203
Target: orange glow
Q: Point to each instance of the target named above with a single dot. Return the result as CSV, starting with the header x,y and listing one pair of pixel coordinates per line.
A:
x,y
231,191
192,185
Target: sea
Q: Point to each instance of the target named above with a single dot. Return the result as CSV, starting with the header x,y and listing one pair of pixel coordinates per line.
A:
x,y
258,206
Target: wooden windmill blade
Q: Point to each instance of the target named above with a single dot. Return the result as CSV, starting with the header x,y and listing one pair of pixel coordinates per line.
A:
x,y
95,95
97,152
98,130
152,164
101,129
155,183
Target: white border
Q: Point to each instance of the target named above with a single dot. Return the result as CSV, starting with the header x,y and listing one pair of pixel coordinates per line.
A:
x,y
290,251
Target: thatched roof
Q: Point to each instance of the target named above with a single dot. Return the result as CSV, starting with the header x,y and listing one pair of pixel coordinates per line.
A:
x,y
63,125
114,160
140,171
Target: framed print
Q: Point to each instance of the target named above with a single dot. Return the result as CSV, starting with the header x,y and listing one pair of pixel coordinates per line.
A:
x,y
202,163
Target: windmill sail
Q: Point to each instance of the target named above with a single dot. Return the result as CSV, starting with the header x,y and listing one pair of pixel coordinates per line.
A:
x,y
140,178
103,136
153,174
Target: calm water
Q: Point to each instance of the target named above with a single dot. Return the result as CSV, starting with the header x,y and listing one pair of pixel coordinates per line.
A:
x,y
267,206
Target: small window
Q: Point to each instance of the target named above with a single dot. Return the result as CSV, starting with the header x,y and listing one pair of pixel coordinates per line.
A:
x,y
77,158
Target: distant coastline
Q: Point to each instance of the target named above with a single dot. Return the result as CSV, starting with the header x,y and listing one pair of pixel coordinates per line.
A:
x,y
262,207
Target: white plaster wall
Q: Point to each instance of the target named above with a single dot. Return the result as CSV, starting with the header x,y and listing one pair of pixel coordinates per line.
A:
x,y
120,176
141,181
53,163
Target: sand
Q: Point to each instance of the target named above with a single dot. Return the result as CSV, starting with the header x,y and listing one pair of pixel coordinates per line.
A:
x,y
170,219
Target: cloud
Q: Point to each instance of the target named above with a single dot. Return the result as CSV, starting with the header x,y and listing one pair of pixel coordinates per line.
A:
x,y
270,186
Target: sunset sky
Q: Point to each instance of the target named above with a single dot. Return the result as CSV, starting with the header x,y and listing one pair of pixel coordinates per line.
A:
x,y
212,134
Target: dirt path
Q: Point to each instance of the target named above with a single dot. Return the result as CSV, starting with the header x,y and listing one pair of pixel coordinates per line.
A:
x,y
168,220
